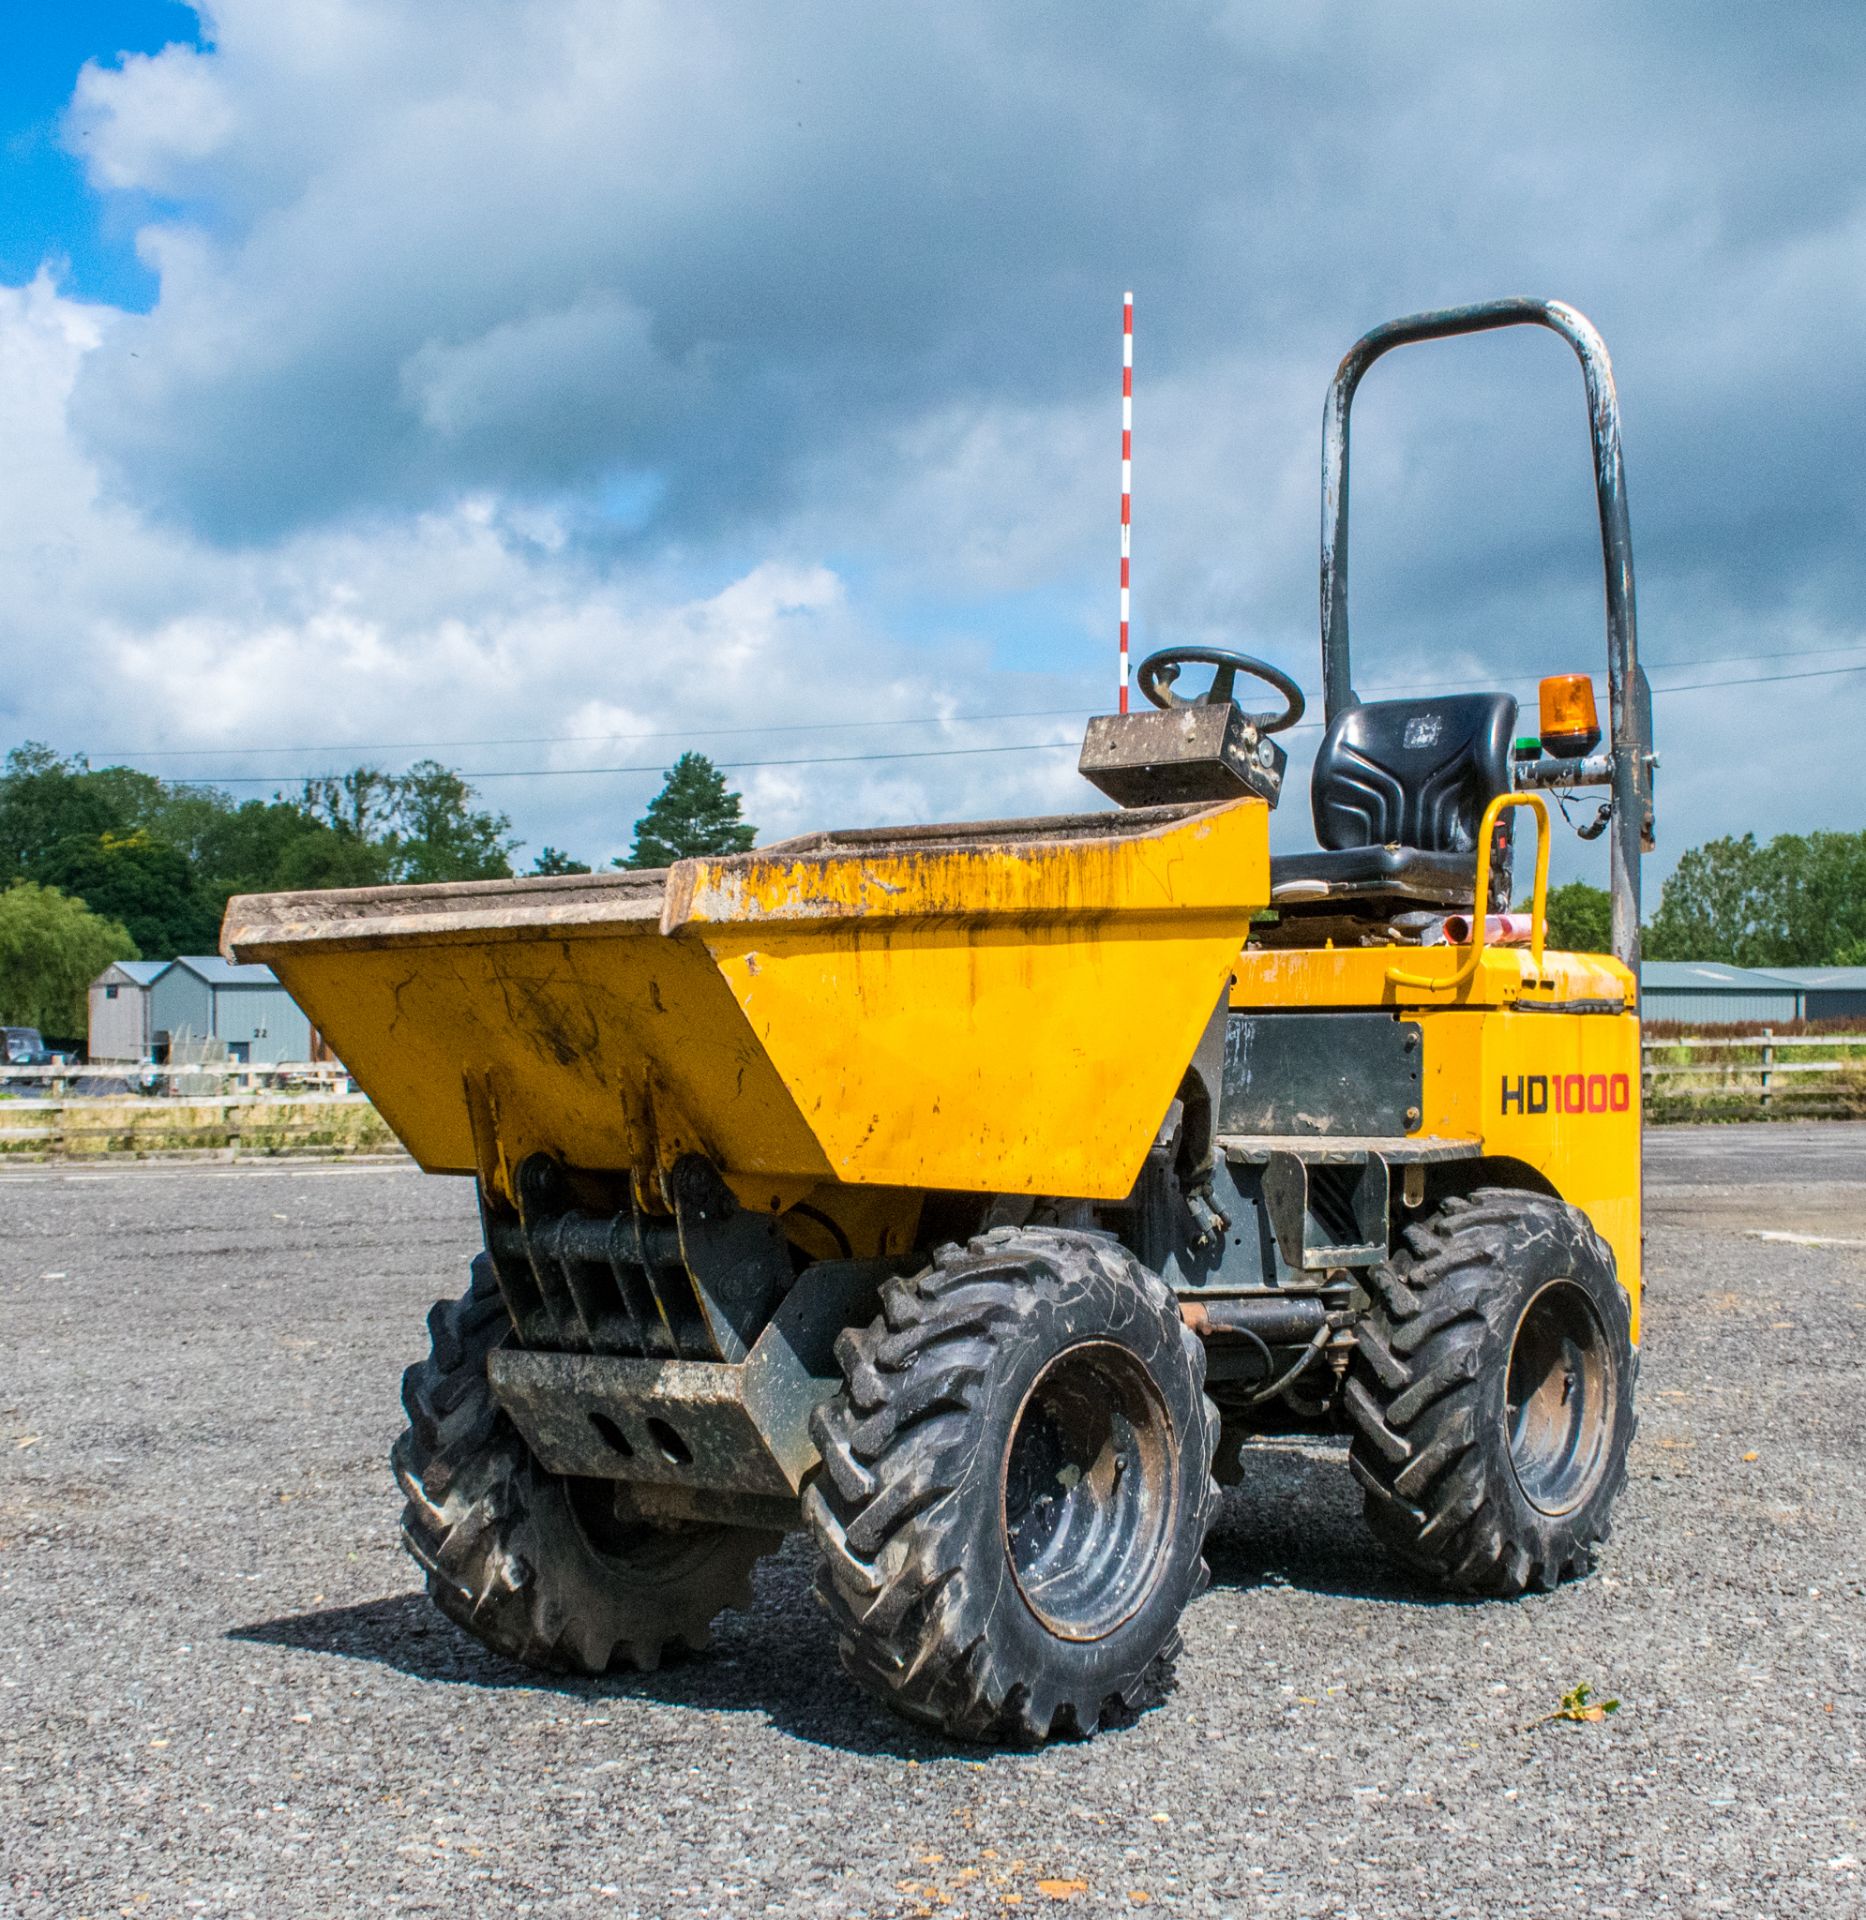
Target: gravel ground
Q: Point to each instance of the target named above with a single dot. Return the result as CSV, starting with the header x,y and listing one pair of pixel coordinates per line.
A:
x,y
221,1692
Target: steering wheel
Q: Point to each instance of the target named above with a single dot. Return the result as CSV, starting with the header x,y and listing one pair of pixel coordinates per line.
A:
x,y
1159,670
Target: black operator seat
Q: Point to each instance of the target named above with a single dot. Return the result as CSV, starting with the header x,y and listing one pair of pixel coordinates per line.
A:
x,y
1398,792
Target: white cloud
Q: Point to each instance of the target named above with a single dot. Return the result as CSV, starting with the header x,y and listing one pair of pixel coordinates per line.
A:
x,y
612,366
150,124
448,626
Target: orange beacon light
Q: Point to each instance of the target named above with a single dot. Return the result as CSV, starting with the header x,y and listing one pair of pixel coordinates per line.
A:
x,y
1570,723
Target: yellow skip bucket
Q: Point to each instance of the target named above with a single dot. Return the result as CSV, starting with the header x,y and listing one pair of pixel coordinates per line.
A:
x,y
1005,1006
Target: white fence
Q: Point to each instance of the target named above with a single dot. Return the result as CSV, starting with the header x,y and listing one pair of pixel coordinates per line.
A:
x,y
225,1107
222,1109
183,1079
1768,1071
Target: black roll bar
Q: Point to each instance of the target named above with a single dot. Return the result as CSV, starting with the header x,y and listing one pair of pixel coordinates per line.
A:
x,y
1630,698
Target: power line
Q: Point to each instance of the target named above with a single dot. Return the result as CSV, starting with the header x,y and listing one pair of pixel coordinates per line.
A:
x,y
584,739
1673,666
927,753
1763,680
839,726
1690,686
660,766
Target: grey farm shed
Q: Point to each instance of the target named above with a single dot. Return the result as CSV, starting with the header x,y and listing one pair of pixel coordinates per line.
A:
x,y
206,997
141,1008
1708,993
1829,993
120,1027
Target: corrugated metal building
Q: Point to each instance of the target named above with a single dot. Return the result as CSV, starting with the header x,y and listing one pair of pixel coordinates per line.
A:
x,y
1709,993
141,1008
1829,993
120,1025
204,997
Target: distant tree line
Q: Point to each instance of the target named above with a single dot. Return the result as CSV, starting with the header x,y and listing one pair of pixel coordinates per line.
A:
x,y
99,864
161,858
1797,901
108,863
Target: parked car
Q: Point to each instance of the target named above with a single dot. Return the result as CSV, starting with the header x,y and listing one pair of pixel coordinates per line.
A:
x,y
23,1047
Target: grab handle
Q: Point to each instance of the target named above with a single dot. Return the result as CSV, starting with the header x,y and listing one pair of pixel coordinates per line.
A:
x,y
1539,899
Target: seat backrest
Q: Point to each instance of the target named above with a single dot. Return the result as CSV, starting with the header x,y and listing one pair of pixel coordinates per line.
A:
x,y
1415,773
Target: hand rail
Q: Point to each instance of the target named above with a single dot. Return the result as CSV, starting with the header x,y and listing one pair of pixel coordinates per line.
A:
x,y
1538,902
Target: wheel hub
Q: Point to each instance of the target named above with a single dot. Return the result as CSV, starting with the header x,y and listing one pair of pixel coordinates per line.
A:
x,y
1559,1398
1088,1491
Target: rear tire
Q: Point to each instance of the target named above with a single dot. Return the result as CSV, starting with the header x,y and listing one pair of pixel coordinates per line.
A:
x,y
536,1565
1015,1487
1491,1394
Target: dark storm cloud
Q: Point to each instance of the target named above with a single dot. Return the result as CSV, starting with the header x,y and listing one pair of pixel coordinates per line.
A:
x,y
696,241
839,280
711,243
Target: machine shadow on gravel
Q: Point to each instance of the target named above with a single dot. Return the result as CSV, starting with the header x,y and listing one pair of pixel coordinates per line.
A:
x,y
802,1691
1295,1521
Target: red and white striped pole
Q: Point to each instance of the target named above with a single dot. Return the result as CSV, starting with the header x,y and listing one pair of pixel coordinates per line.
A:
x,y
1127,470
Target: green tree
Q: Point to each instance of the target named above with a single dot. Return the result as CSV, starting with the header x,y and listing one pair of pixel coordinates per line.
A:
x,y
51,948
437,833
1713,906
226,842
424,821
143,884
265,844
46,799
694,813
552,861
163,857
123,840
1799,901
1580,918
360,803
324,857
1819,881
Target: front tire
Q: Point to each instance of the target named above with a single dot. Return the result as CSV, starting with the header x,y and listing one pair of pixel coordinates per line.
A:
x,y
1015,1487
1491,1394
536,1565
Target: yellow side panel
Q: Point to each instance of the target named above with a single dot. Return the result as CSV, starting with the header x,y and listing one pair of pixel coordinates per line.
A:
x,y
1358,977
1007,1021
1029,1064
595,1049
1002,1007
1559,1092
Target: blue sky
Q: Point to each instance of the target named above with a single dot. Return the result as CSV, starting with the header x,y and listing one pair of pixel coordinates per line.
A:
x,y
595,377
46,209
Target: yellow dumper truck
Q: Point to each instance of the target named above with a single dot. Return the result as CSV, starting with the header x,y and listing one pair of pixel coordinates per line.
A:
x,y
974,1197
